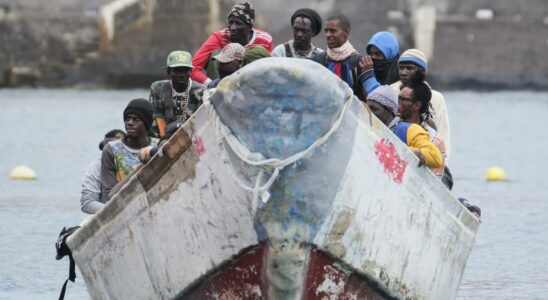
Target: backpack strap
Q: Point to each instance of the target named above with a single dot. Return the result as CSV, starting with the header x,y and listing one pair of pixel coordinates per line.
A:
x,y
354,63
62,251
288,52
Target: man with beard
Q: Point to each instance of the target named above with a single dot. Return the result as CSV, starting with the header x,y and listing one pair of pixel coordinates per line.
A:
x,y
120,157
240,30
230,60
380,65
341,58
383,103
176,98
306,23
413,66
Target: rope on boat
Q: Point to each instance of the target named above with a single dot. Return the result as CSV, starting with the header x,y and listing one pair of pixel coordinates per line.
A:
x,y
274,165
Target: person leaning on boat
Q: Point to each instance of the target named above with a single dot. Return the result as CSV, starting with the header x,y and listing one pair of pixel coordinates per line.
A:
x,y
383,103
176,98
413,63
120,157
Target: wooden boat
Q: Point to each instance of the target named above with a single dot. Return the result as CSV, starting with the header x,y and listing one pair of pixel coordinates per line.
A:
x,y
281,186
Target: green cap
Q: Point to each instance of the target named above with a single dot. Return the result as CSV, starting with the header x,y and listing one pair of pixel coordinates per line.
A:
x,y
179,59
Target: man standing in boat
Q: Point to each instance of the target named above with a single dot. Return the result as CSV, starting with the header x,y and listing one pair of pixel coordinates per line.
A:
x,y
240,30
306,24
341,58
383,103
120,157
177,98
413,63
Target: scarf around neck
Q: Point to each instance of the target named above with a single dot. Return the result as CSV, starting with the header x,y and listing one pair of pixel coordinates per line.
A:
x,y
342,52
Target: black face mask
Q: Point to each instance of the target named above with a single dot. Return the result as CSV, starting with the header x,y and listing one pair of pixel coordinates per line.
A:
x,y
386,71
223,73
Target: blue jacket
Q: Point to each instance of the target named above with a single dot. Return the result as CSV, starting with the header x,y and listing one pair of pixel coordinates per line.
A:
x,y
384,71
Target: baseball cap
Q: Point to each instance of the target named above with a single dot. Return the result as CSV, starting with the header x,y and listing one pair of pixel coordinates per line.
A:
x,y
231,52
179,59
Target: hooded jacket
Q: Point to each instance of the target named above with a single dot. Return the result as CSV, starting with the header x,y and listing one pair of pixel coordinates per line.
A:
x,y
384,71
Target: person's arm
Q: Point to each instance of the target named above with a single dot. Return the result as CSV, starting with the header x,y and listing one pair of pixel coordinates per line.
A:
x,y
201,57
90,200
419,142
108,171
159,124
367,77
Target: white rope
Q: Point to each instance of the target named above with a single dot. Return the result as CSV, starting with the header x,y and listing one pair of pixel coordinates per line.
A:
x,y
275,165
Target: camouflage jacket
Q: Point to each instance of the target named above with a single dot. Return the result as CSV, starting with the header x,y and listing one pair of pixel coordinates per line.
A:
x,y
169,107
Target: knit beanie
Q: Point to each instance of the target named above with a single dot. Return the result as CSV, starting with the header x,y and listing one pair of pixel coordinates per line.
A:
x,y
414,56
255,52
316,20
385,96
243,11
141,108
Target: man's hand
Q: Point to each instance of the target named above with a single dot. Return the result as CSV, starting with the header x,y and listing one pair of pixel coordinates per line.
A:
x,y
366,63
420,156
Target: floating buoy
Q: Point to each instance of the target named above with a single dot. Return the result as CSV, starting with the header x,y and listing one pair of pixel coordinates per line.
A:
x,y
22,172
495,174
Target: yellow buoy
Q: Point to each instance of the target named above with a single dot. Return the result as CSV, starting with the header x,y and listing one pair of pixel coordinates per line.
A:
x,y
495,174
22,172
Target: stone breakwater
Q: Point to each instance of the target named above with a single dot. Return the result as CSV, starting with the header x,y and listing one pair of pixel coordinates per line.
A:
x,y
59,45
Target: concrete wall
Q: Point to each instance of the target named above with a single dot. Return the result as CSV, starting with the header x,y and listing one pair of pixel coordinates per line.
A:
x,y
479,53
59,41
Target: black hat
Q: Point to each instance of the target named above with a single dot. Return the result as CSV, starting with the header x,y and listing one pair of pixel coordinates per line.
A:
x,y
111,136
142,108
243,11
312,15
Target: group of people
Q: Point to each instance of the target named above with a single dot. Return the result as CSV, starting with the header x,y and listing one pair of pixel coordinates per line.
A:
x,y
391,85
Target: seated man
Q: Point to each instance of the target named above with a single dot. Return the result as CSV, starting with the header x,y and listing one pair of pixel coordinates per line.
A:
x,y
120,157
383,103
176,98
413,66
230,60
92,200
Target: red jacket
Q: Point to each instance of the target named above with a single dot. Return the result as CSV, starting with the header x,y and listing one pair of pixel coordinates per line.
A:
x,y
218,40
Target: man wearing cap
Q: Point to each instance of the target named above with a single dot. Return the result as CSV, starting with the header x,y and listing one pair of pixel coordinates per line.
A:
x,y
383,103
306,24
120,157
91,199
229,60
240,30
412,65
176,98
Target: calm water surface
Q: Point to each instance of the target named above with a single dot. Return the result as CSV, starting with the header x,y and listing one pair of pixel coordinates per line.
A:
x,y
56,132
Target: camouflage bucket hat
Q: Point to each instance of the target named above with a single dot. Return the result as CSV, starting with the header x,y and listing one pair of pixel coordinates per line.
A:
x,y
179,59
